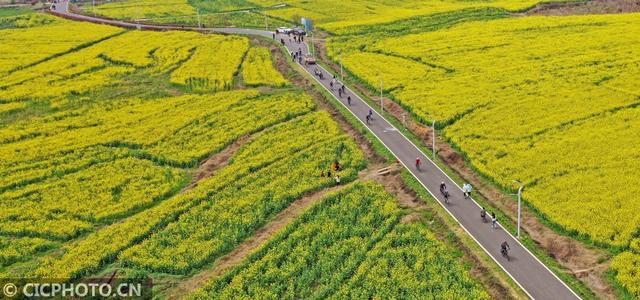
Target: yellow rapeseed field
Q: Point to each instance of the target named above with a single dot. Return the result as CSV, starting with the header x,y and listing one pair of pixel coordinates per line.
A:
x,y
338,16
144,9
258,69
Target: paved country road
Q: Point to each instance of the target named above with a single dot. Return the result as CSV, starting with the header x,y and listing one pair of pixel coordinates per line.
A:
x,y
526,270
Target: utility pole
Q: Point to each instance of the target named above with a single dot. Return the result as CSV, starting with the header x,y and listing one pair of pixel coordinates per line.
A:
x,y
433,138
313,52
198,12
519,204
381,99
138,18
341,75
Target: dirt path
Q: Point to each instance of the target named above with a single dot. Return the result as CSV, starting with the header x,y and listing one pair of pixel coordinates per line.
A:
x,y
238,254
217,161
584,8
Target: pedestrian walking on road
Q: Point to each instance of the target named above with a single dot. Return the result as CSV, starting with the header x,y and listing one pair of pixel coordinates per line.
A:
x,y
349,100
337,180
494,220
340,93
418,163
368,119
331,84
370,113
467,188
483,215
274,36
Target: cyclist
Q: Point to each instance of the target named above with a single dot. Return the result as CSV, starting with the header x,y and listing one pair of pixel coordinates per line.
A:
x,y
504,249
418,163
443,187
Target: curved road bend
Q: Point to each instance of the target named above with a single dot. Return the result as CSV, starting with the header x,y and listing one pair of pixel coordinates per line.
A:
x,y
526,270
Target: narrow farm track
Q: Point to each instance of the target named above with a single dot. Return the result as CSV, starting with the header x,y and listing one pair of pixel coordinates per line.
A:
x,y
241,252
526,270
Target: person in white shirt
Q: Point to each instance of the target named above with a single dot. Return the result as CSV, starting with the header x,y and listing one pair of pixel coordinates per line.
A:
x,y
466,188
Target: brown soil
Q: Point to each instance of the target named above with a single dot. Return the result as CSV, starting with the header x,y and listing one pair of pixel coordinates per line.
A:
x,y
585,8
217,161
238,254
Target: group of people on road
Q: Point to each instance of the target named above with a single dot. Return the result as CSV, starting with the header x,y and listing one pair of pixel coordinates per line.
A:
x,y
318,73
504,247
297,55
466,189
342,90
494,219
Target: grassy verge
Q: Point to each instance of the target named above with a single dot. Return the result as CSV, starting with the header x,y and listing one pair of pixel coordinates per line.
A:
x,y
14,11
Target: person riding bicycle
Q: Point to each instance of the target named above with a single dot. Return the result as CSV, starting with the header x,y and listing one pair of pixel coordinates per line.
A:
x,y
504,247
444,191
418,163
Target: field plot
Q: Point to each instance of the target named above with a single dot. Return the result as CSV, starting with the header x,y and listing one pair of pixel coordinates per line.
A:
x,y
19,40
142,9
342,17
225,13
350,245
258,69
